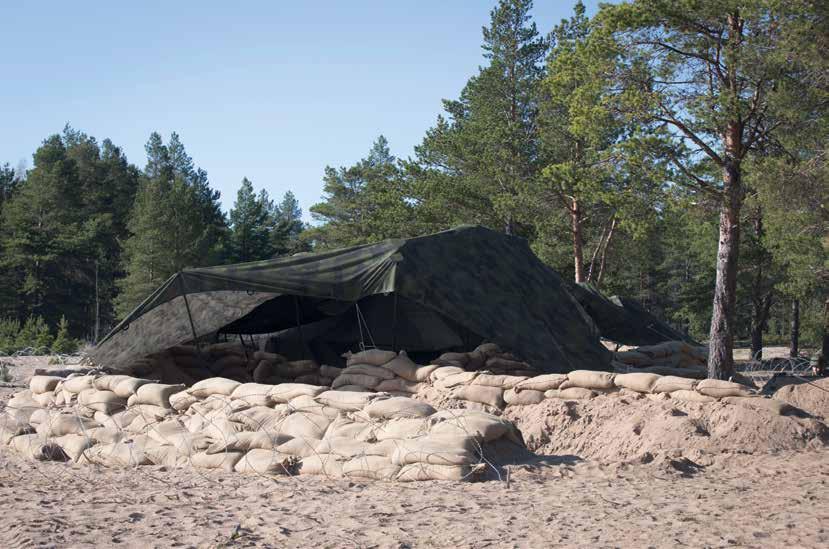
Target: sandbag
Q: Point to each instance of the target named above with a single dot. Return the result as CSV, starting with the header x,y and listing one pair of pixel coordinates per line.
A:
x,y
22,405
498,380
401,428
491,396
174,433
300,425
225,461
43,384
44,400
109,382
399,385
503,365
298,447
10,428
375,357
128,387
288,391
444,371
182,400
101,401
310,379
117,454
588,379
35,447
330,371
360,380
307,405
184,350
427,471
74,445
352,388
39,416
633,357
247,440
106,435
257,394
349,447
669,384
157,394
369,370
270,357
571,393
213,386
691,396
347,400
65,424
118,420
761,404
481,425
542,383
297,368
151,411
454,380
77,384
436,449
264,462
322,464
523,398
222,429
261,418
398,407
403,366
718,388
370,467
639,382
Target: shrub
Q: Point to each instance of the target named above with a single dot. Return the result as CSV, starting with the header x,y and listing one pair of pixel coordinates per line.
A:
x,y
64,344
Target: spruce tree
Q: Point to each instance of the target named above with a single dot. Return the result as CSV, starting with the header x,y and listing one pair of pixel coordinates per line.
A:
x,y
249,226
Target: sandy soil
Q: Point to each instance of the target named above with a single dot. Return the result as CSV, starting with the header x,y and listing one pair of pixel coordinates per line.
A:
x,y
640,490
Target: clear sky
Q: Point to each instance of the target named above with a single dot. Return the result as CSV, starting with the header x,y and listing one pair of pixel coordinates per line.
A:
x,y
271,90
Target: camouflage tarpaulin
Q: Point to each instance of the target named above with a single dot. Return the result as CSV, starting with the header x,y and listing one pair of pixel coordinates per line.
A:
x,y
465,285
623,320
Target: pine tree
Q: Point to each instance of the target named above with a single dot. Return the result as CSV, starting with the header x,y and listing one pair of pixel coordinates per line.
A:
x,y
63,343
250,238
287,226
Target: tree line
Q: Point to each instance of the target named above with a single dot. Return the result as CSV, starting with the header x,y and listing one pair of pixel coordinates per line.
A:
x,y
670,151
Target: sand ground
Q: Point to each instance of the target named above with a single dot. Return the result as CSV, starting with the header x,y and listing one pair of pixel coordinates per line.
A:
x,y
759,500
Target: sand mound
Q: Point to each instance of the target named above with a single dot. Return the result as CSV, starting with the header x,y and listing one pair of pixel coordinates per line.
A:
x,y
813,397
625,428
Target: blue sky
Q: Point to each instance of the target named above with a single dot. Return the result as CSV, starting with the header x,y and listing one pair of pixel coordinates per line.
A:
x,y
271,90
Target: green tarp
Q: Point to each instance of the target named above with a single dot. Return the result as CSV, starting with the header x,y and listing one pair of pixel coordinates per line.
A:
x,y
450,290
623,320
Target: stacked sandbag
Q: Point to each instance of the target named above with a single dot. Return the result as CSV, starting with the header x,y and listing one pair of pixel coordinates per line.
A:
x,y
489,357
666,358
220,423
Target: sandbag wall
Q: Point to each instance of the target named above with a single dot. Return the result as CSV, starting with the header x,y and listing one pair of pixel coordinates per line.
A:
x,y
218,423
188,364
666,358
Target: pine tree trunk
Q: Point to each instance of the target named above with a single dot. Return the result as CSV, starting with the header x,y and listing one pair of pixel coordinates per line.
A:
x,y
578,253
721,337
794,345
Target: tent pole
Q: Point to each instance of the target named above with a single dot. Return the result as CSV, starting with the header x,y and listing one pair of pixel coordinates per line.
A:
x,y
394,325
189,315
299,325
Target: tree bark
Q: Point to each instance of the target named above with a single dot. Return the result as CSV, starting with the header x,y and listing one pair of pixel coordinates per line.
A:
x,y
761,297
794,345
758,325
721,337
578,253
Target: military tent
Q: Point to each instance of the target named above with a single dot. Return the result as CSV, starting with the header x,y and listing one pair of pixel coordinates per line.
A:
x,y
446,291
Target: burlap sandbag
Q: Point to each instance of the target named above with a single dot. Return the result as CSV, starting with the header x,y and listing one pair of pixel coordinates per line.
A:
x,y
369,370
308,405
303,425
109,382
264,462
571,393
44,400
639,382
330,371
22,405
664,349
542,383
39,416
347,400
403,366
524,398
182,400
258,394
43,384
101,401
118,454
588,379
761,404
34,446
427,471
155,413
374,357
691,396
498,380
288,391
296,368
65,424
397,429
225,461
455,380
398,407
436,449
174,433
213,386
399,385
633,358
329,465
370,467
10,427
349,447
106,435
669,384
491,396
128,387
481,425
157,394
261,418
248,440
361,380
74,445
719,388
78,383
118,420
222,429
444,371
352,388
298,447
504,365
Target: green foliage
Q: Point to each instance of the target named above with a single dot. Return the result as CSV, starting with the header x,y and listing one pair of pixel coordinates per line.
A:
x,y
9,329
250,238
63,343
34,334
